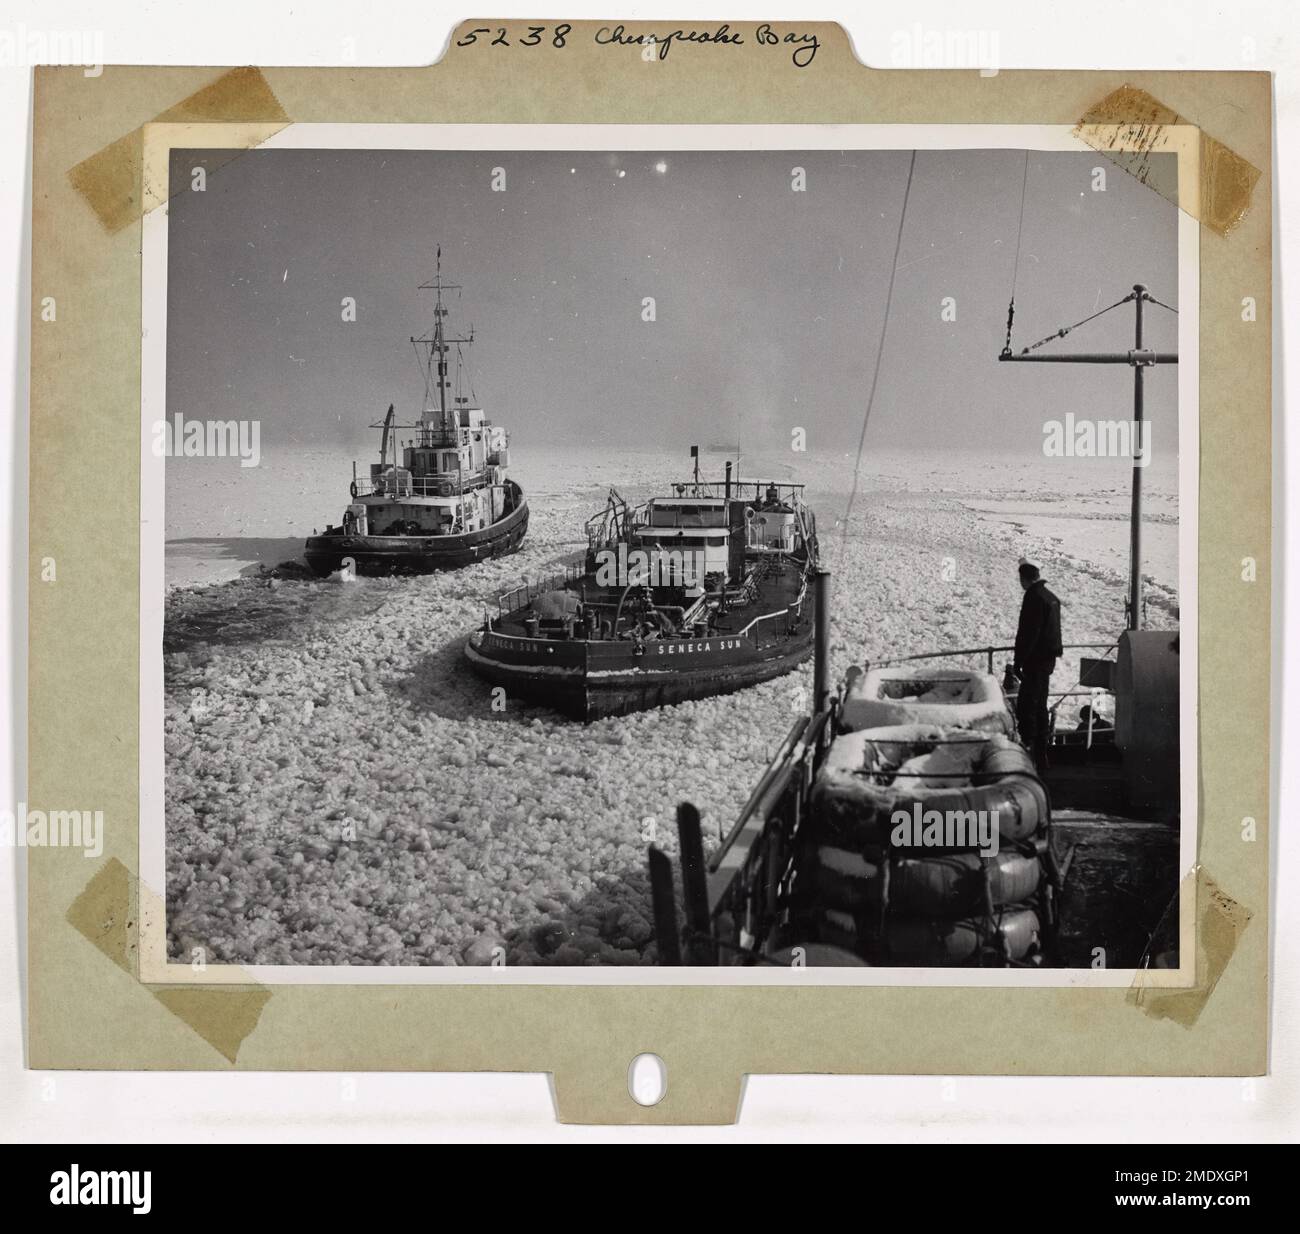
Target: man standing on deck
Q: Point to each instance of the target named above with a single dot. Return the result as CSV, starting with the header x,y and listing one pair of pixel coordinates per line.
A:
x,y
1038,644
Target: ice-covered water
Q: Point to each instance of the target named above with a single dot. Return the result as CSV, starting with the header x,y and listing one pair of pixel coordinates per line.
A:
x,y
339,789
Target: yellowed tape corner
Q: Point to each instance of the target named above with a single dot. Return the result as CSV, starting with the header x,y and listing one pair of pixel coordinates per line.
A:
x,y
220,145
111,179
107,914
1220,923
1130,127
103,914
223,1017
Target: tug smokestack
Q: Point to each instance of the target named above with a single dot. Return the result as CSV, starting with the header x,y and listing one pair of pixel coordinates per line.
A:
x,y
822,645
726,487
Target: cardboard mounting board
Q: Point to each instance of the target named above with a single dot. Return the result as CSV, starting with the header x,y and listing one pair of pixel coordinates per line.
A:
x,y
88,1008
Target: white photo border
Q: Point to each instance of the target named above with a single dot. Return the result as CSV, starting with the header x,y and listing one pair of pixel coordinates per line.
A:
x,y
161,138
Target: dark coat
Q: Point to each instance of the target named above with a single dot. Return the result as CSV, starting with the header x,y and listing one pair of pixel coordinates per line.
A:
x,y
1038,637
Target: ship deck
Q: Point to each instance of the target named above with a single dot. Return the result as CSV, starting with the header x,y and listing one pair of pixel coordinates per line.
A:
x,y
777,589
1122,861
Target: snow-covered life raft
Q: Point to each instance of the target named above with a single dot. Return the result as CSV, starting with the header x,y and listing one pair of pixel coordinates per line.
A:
x,y
872,774
952,698
927,838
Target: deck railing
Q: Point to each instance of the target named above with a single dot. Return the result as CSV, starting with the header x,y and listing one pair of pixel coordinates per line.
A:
x,y
734,900
742,490
530,589
989,652
398,487
750,631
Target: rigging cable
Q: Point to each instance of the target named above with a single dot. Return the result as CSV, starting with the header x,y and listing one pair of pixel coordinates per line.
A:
x,y
426,368
463,368
1015,270
1064,330
880,350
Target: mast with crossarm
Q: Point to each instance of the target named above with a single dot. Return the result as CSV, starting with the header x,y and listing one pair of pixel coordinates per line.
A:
x,y
438,350
1140,359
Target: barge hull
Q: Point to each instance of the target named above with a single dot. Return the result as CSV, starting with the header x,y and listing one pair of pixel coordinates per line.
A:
x,y
617,686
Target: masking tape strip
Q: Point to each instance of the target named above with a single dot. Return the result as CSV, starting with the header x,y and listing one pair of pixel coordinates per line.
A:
x,y
1220,923
111,180
1129,126
106,913
222,1015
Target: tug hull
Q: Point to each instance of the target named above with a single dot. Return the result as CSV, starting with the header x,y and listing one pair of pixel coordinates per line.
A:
x,y
417,554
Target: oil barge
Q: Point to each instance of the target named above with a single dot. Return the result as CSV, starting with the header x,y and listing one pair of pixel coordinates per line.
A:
x,y
699,592
440,498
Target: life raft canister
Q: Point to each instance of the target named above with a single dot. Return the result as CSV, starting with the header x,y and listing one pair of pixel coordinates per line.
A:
x,y
949,698
947,886
858,793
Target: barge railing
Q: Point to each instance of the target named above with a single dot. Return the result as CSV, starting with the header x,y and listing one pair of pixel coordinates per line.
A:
x,y
528,591
741,490
750,630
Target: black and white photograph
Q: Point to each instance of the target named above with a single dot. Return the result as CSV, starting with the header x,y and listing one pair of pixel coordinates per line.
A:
x,y
597,577
763,550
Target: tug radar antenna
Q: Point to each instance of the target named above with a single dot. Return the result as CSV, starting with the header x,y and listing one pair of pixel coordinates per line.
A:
x,y
433,349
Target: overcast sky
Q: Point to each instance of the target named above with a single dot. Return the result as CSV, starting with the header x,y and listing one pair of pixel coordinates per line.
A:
x,y
768,302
